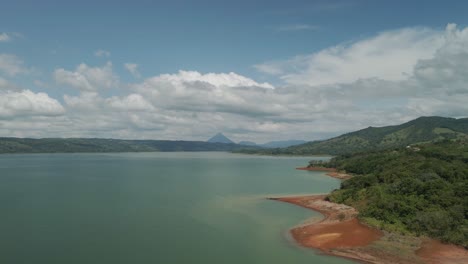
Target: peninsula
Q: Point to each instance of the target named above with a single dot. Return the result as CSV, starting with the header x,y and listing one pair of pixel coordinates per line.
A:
x,y
406,205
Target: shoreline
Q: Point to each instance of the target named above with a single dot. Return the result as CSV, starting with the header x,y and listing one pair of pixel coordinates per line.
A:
x,y
340,233
316,169
333,230
332,172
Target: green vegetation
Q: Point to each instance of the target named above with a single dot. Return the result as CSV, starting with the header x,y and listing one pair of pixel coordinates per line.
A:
x,y
421,190
423,129
56,145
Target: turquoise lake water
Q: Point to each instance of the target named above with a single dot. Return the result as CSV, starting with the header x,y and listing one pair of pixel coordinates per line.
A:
x,y
203,207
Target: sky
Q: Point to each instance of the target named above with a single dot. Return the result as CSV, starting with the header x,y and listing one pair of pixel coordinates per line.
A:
x,y
254,70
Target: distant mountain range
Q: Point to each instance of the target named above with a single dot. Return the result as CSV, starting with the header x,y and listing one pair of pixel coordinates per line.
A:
x,y
274,144
221,138
247,143
63,145
218,142
420,130
282,144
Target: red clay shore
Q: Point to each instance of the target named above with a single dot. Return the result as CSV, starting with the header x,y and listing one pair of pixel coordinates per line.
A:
x,y
332,172
341,234
316,169
339,229
434,252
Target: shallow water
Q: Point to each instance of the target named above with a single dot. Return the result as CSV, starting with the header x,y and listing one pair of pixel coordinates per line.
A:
x,y
204,207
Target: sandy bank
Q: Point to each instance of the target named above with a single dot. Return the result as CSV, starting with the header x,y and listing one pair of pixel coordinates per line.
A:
x,y
340,233
338,229
316,169
332,172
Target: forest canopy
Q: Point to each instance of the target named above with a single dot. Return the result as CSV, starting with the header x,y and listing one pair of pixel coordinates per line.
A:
x,y
421,190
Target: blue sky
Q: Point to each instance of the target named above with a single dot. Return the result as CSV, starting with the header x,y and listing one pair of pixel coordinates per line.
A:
x,y
208,36
281,43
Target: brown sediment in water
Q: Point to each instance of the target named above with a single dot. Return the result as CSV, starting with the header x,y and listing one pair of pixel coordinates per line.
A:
x,y
341,234
338,229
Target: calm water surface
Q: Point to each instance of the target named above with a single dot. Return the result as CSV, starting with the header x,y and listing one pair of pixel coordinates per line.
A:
x,y
153,208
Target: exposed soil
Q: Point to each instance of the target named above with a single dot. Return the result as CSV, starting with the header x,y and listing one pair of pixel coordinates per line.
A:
x,y
338,229
340,233
331,172
434,252
316,169
339,175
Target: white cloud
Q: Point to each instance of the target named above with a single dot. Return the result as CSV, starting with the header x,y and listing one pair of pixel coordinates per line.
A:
x,y
86,78
133,69
11,65
297,27
85,102
193,91
28,103
4,37
272,68
434,83
193,105
132,102
216,79
390,55
102,53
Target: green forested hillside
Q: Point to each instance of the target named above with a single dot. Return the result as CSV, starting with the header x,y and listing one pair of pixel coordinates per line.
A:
x,y
423,129
420,190
51,145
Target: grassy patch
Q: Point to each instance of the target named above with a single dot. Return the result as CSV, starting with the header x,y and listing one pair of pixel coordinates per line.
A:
x,y
398,245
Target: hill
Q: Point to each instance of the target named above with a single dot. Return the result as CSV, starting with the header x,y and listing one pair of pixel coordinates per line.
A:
x,y
423,129
56,145
274,144
419,190
220,138
282,143
247,143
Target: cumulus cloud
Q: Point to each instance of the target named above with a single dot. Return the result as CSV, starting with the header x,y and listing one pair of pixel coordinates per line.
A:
x,y
171,106
394,77
216,79
132,102
26,102
133,69
4,37
212,92
85,102
418,71
86,78
11,65
390,55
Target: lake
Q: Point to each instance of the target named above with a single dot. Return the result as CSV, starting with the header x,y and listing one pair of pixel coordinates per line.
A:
x,y
200,207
